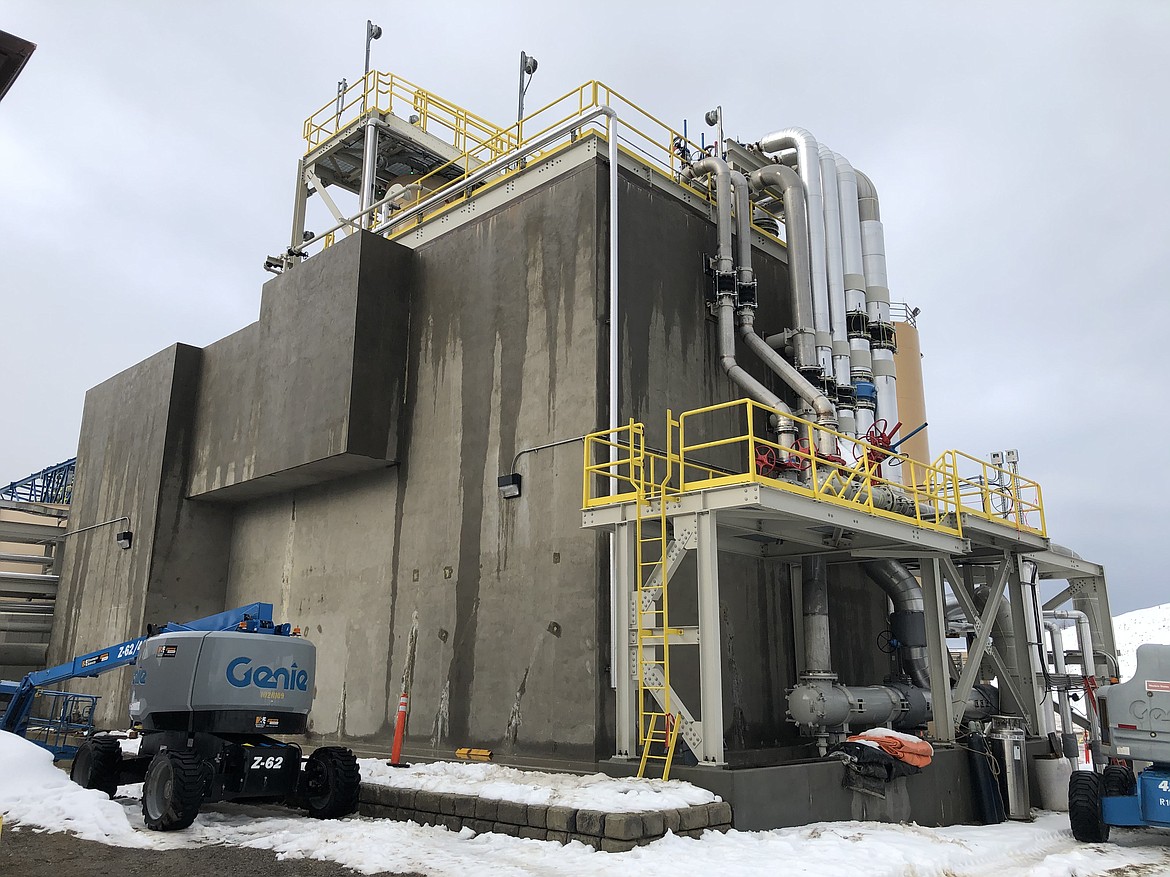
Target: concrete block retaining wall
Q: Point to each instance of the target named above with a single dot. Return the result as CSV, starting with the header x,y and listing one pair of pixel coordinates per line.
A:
x,y
610,832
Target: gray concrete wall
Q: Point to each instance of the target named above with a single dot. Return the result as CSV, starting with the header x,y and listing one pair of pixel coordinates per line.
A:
x,y
130,460
312,391
493,613
424,572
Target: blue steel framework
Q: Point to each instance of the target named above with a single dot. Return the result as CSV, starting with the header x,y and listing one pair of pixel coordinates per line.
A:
x,y
53,485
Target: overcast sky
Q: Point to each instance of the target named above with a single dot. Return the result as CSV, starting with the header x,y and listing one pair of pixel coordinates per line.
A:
x,y
148,154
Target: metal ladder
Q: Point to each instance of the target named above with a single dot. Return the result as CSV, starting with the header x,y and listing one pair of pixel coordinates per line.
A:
x,y
658,726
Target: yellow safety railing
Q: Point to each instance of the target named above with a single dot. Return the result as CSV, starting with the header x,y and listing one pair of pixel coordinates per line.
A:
x,y
993,493
386,92
732,443
618,465
652,142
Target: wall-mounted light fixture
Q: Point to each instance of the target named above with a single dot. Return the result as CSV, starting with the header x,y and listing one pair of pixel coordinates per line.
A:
x,y
510,484
125,538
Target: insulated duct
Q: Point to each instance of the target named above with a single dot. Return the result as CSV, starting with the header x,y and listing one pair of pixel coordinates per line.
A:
x,y
814,584
877,302
906,595
856,317
834,263
796,230
809,166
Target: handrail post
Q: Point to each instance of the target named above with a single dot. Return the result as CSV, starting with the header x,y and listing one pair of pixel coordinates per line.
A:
x,y
751,434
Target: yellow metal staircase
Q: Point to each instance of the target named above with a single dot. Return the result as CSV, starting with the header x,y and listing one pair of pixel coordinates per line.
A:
x,y
658,726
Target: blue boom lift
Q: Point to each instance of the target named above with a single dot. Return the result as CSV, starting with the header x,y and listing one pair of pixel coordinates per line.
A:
x,y
205,696
1135,727
66,715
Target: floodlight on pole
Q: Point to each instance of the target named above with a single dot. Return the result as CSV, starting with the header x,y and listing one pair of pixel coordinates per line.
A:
x,y
527,68
373,32
714,118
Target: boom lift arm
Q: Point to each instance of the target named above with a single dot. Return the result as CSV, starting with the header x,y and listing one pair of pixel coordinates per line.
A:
x,y
255,618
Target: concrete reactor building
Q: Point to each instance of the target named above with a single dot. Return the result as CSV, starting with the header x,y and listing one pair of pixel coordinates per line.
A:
x,y
606,448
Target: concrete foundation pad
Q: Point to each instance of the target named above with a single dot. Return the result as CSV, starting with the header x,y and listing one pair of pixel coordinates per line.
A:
x,y
780,796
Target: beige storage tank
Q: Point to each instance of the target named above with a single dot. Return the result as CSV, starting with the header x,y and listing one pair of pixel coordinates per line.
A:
x,y
911,397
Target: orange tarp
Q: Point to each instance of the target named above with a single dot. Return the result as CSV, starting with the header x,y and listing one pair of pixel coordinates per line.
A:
x,y
904,747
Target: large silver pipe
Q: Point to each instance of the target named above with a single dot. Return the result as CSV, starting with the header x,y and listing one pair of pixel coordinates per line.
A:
x,y
1084,638
717,167
725,265
818,401
905,593
796,229
736,372
834,260
617,615
827,706
857,318
808,164
877,302
745,276
1088,659
1055,635
814,583
824,410
369,168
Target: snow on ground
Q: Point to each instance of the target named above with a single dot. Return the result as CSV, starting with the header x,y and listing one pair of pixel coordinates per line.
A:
x,y
594,792
37,794
34,791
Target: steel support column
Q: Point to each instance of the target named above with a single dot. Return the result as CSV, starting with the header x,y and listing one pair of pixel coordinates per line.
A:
x,y
625,679
936,651
1023,627
710,650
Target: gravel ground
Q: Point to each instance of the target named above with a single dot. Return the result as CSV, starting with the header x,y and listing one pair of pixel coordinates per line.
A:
x,y
28,853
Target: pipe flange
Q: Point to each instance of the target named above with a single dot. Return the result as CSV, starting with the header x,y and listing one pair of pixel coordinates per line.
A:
x,y
883,336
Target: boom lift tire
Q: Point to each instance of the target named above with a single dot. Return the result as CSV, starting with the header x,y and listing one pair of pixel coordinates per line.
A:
x,y
332,783
1119,780
172,791
1085,790
97,765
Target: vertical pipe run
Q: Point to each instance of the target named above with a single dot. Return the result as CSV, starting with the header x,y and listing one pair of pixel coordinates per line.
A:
x,y
1066,719
818,659
856,317
615,612
724,267
877,298
809,166
369,166
796,229
834,261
